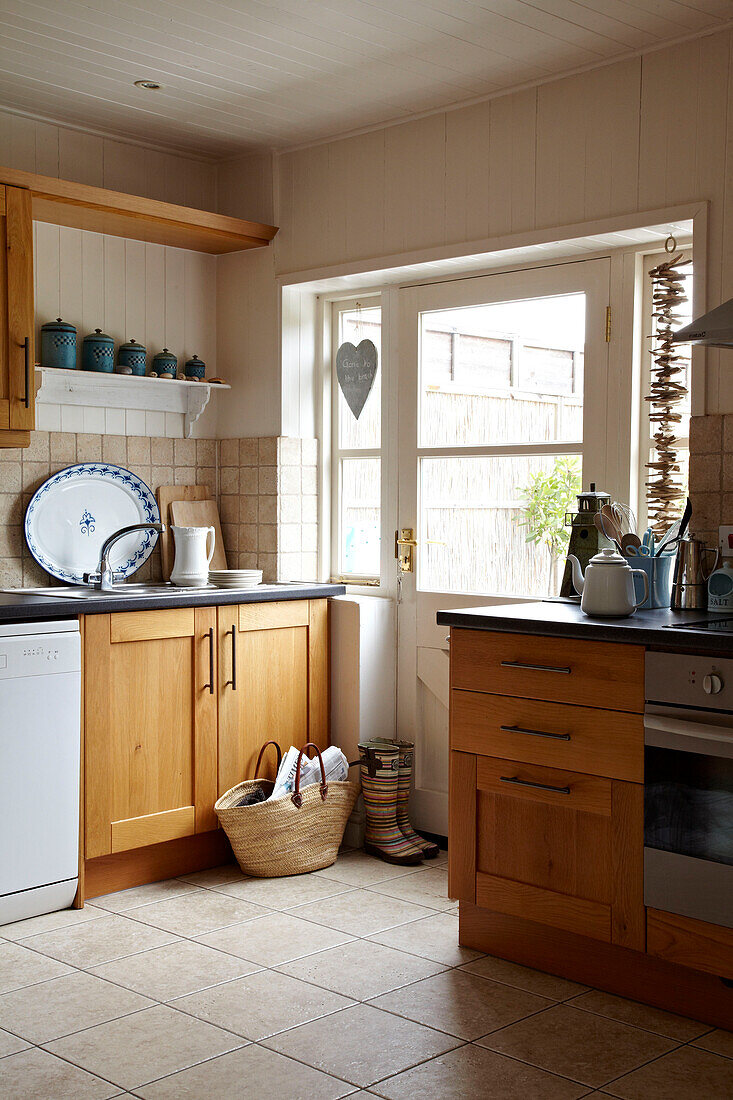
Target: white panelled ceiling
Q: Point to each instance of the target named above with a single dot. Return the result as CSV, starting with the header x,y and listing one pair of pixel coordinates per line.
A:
x,y
245,75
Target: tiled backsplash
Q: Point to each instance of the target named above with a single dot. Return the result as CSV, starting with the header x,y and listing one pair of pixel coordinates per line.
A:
x,y
711,475
266,489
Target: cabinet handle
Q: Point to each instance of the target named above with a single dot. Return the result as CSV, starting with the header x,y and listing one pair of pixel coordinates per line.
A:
x,y
27,351
537,786
233,680
536,733
210,686
537,668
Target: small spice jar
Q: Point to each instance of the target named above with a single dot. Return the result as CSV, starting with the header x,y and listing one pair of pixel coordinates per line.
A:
x,y
98,352
58,345
132,358
195,369
165,364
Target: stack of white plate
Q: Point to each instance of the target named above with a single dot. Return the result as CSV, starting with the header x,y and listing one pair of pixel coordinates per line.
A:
x,y
235,578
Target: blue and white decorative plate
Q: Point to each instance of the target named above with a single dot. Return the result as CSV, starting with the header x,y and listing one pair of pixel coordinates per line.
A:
x,y
73,512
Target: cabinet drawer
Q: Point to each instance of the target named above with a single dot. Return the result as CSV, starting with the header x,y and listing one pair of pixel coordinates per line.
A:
x,y
557,735
564,789
561,670
692,943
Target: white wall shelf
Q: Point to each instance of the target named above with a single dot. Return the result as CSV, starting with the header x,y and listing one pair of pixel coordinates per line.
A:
x,y
123,391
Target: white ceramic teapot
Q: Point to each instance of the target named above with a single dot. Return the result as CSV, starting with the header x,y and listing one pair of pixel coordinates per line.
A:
x,y
194,551
607,589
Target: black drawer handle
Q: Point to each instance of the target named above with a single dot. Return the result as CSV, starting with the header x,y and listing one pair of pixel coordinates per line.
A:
x,y
233,680
537,786
27,367
210,685
536,668
536,733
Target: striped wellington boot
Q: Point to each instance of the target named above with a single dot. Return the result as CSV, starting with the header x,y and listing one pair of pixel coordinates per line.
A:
x,y
404,782
379,777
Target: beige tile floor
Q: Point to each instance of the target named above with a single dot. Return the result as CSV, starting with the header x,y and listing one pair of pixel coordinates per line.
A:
x,y
348,982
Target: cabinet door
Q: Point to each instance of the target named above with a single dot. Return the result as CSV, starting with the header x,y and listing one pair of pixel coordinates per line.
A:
x,y
273,682
17,376
551,846
151,725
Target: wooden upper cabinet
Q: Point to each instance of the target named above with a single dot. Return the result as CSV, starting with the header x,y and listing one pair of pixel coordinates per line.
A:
x,y
17,378
273,682
151,727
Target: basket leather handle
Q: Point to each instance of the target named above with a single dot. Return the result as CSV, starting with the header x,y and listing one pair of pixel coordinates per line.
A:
x,y
296,796
262,753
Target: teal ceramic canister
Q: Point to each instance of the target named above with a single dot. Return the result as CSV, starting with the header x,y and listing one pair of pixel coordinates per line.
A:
x,y
58,345
195,369
132,355
98,352
165,364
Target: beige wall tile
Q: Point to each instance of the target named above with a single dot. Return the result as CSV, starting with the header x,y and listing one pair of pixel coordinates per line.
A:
x,y
230,537
289,567
249,452
289,451
248,537
268,451
309,509
138,450
34,474
268,564
290,479
11,541
247,509
161,452
39,448
229,509
229,479
706,434
250,560
289,538
705,473
267,481
11,572
206,475
184,452
309,452
267,509
161,475
229,452
11,477
184,475
310,537
309,481
11,454
114,449
268,538
88,447
63,447
309,567
11,509
206,452
248,479
289,508
706,511
33,574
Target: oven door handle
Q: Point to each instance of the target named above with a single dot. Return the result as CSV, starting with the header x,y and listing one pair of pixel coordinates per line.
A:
x,y
674,733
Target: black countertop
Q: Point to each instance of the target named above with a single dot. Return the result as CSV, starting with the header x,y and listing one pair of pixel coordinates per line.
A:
x,y
19,606
564,619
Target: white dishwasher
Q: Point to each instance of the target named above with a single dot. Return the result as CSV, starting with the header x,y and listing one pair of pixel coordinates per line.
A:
x,y
40,739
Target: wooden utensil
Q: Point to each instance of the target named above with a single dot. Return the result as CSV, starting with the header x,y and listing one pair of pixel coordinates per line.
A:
x,y
201,513
166,494
629,543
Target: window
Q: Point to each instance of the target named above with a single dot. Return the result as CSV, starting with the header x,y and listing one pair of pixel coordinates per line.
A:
x,y
357,452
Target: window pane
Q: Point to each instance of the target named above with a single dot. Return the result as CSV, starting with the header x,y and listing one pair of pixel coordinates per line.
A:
x,y
360,516
508,372
355,326
473,533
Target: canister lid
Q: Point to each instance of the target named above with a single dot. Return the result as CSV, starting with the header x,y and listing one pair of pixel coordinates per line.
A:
x,y
98,335
165,354
132,345
195,362
58,326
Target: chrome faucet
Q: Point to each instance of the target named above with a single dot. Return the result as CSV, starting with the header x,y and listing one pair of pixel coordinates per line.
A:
x,y
104,577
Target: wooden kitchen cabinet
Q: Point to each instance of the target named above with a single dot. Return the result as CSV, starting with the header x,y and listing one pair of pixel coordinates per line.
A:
x,y
17,372
273,682
546,794
150,727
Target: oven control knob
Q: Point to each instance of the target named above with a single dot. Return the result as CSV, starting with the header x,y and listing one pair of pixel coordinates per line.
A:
x,y
712,684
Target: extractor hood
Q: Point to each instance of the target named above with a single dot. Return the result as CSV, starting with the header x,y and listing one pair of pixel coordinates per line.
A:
x,y
713,329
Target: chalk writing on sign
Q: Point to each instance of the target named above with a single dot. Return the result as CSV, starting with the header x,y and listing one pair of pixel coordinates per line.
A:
x,y
356,369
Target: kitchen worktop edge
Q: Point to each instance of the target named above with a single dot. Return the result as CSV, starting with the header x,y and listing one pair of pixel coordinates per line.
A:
x,y
565,620
22,607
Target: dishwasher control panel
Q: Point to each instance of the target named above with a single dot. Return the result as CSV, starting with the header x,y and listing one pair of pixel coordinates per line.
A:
x,y
39,654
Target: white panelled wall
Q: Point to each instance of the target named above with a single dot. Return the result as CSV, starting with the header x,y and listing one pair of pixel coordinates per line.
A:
x,y
159,296
642,134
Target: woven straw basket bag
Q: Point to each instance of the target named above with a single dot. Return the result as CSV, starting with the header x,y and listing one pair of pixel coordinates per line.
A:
x,y
294,834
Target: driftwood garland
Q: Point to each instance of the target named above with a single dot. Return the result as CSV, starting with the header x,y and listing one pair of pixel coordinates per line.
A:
x,y
665,490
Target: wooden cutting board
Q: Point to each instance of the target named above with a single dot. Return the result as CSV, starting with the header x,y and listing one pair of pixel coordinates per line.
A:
x,y
201,513
166,494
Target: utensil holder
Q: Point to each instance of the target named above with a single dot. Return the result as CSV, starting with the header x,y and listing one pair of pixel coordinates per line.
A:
x,y
659,571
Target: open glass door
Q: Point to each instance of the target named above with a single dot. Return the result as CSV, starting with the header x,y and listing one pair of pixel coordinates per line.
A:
x,y
501,410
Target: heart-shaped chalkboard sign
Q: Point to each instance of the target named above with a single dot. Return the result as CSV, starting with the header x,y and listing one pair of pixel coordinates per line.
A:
x,y
356,369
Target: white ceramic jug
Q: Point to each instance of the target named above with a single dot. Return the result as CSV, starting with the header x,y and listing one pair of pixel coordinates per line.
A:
x,y
193,555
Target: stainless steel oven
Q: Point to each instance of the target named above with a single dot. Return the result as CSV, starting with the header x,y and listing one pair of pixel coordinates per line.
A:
x,y
688,786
